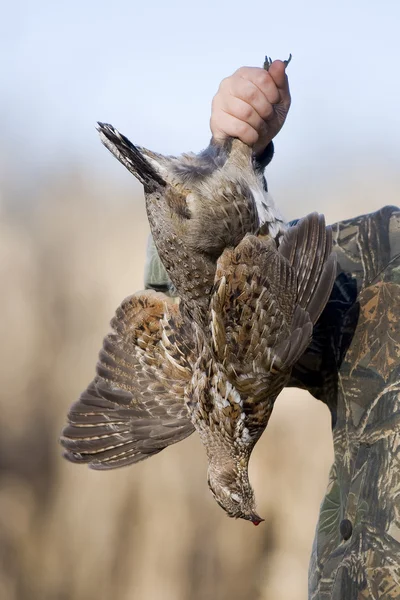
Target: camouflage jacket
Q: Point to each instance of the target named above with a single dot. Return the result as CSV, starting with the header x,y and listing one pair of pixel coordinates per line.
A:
x,y
353,365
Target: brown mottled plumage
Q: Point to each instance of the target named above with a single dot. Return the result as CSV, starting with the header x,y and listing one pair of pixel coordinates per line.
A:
x,y
161,374
261,314
135,405
250,292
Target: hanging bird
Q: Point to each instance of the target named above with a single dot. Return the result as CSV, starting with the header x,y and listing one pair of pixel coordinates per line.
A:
x,y
250,291
161,375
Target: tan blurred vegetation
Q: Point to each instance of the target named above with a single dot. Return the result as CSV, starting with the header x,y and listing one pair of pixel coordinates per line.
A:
x,y
152,531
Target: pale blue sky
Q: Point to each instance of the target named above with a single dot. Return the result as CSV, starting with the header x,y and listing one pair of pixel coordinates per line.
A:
x,y
151,69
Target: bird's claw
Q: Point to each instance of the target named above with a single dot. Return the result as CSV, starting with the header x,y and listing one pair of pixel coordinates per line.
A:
x,y
287,61
268,62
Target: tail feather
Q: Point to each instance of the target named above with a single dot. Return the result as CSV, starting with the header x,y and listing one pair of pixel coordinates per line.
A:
x,y
130,156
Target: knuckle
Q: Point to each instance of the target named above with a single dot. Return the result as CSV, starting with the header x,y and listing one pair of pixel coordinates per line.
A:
x,y
217,133
241,128
274,95
224,84
268,111
245,133
251,93
244,112
262,78
241,71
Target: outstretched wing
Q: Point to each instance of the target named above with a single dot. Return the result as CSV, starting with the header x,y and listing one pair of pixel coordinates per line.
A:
x,y
135,405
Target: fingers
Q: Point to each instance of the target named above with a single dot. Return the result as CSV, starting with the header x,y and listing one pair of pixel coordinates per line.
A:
x,y
243,111
225,125
251,104
251,79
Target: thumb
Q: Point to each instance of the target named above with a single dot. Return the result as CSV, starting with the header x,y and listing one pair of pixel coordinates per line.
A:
x,y
277,71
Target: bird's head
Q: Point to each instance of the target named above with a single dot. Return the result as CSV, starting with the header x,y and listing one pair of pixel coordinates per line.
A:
x,y
232,490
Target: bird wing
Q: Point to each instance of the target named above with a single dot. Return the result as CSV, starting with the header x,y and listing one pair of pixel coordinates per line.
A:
x,y
135,405
308,248
264,304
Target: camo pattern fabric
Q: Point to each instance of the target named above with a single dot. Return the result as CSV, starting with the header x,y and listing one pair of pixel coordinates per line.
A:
x,y
356,551
353,365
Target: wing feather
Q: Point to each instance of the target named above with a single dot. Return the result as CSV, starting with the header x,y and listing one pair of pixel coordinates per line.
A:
x,y
135,405
263,307
307,247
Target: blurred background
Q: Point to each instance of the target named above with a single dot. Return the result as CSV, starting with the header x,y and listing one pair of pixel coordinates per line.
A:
x,y
73,231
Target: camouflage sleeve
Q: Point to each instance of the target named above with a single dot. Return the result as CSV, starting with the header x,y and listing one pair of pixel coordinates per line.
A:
x,y
266,156
364,246
353,365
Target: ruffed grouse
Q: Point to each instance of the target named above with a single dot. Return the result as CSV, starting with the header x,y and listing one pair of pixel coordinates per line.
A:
x,y
250,292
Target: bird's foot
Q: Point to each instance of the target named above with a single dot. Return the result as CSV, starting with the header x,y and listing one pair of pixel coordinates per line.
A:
x,y
268,62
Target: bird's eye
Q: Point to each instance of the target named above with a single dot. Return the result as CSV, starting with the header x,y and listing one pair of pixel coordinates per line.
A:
x,y
235,498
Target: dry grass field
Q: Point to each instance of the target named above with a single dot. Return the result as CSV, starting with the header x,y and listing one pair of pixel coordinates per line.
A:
x,y
68,256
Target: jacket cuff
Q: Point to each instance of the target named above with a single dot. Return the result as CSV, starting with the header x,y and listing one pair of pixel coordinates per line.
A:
x,y
263,159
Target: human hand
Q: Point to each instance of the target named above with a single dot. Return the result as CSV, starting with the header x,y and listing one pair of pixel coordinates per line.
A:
x,y
252,105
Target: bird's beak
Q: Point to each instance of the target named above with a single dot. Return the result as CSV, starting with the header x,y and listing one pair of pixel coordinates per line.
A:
x,y
255,519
